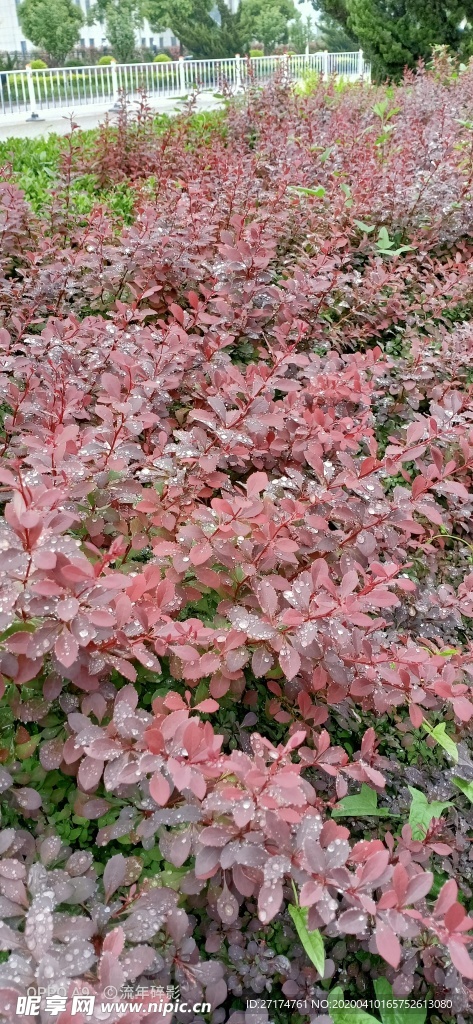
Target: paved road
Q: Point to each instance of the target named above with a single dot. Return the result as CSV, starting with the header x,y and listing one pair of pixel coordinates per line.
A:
x,y
57,122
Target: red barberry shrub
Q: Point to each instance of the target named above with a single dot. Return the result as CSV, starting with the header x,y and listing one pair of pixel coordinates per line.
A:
x,y
236,585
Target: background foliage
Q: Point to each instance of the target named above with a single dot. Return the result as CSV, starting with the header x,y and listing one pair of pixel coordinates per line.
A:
x,y
52,25
395,34
236,590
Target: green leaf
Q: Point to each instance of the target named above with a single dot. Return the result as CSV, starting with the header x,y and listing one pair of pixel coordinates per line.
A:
x,y
319,192
312,942
384,241
172,877
396,252
363,804
18,627
422,813
439,880
384,245
347,1014
368,228
384,136
466,787
201,693
396,1014
440,735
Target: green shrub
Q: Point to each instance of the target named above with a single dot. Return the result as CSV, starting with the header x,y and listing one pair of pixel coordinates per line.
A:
x,y
74,62
256,53
8,62
308,83
162,58
37,65
106,60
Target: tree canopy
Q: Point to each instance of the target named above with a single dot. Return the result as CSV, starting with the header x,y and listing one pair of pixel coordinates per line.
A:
x,y
198,31
302,31
334,37
266,21
122,18
51,25
208,29
205,28
396,33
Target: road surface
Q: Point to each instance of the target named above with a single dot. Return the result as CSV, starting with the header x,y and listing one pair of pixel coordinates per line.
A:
x,y
58,122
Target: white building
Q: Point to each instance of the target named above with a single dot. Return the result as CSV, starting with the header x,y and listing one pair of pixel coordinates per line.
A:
x,y
93,36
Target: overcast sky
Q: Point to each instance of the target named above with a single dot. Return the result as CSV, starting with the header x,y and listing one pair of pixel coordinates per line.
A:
x,y
306,9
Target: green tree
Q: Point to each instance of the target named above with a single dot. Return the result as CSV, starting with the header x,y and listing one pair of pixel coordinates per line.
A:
x,y
121,21
302,33
334,37
206,28
51,25
266,21
396,33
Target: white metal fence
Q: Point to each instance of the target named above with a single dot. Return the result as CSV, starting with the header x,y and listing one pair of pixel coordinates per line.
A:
x,y
32,92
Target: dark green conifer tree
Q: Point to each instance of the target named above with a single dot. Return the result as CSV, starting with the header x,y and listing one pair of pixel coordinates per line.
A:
x,y
396,33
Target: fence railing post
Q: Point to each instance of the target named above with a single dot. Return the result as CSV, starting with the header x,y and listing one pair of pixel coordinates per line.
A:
x,y
34,116
238,71
325,63
285,67
361,64
182,75
114,76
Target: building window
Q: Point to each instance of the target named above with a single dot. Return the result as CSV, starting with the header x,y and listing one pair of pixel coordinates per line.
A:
x,y
82,42
161,42
143,41
151,40
173,41
87,5
23,46
92,43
